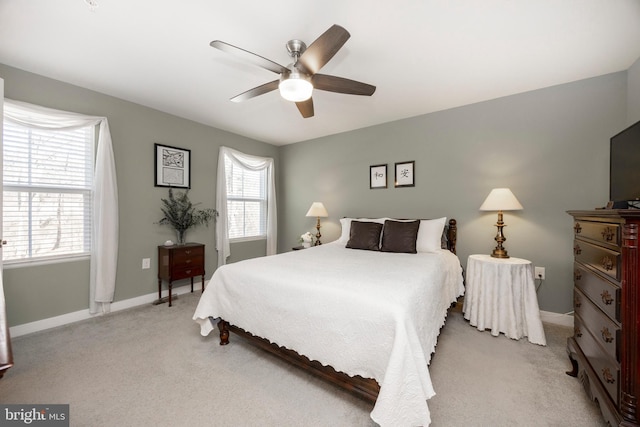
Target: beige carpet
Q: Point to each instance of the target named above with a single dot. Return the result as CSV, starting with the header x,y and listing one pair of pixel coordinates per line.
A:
x,y
149,366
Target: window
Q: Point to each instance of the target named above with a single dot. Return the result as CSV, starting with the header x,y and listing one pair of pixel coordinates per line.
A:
x,y
246,201
47,181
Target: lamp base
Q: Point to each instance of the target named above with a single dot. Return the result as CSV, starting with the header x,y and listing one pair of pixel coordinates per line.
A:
x,y
318,235
499,253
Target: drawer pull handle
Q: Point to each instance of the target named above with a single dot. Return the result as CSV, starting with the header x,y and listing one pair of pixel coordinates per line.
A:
x,y
188,271
577,249
187,252
606,335
606,297
577,332
577,228
576,301
187,261
608,234
607,263
577,276
606,374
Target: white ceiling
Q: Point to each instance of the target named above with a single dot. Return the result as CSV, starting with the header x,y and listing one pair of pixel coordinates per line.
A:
x,y
423,55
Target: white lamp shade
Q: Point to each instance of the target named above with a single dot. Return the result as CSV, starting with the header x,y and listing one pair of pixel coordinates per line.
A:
x,y
501,199
317,209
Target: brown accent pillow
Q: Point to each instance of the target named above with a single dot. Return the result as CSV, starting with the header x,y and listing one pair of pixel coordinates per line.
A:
x,y
364,235
400,236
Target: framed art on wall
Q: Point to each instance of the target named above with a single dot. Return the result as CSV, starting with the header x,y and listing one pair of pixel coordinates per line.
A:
x,y
378,176
172,166
405,174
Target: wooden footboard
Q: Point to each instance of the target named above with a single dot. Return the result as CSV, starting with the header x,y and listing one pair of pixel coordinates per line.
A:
x,y
364,388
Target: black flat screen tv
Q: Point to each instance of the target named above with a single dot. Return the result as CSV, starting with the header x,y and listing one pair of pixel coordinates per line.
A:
x,y
624,167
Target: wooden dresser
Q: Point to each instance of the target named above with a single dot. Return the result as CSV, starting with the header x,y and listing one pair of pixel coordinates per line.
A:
x,y
604,348
179,262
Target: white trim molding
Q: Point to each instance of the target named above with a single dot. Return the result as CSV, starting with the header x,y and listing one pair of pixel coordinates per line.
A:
x,y
556,318
65,319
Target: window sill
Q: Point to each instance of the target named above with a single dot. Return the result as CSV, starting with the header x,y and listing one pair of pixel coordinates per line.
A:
x,y
247,239
7,265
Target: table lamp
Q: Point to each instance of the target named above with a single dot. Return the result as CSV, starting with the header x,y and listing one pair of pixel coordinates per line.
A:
x,y
500,199
318,210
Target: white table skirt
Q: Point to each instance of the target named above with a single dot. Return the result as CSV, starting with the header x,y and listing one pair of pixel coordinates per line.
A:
x,y
500,295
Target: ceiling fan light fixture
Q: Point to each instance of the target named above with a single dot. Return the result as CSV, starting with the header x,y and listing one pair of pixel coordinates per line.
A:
x,y
295,87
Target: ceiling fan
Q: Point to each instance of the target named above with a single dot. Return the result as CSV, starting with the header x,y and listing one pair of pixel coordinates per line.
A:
x,y
298,79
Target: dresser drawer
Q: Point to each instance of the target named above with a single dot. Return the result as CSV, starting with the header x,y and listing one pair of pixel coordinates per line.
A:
x,y
602,259
602,292
186,272
183,255
607,370
185,262
599,232
604,330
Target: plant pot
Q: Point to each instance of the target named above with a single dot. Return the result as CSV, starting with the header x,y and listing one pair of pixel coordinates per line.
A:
x,y
306,244
182,235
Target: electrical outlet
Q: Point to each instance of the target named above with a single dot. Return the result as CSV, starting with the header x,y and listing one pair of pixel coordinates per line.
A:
x,y
146,263
539,273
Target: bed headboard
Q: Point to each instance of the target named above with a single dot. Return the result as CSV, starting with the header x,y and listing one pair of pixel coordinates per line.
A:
x,y
450,235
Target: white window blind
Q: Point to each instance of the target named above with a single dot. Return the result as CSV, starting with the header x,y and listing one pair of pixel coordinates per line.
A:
x,y
246,201
47,181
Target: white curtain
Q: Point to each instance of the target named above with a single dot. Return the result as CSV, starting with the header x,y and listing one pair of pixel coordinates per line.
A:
x,y
104,242
253,163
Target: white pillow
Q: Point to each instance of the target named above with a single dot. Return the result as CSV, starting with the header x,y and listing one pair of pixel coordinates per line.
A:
x,y
345,223
430,234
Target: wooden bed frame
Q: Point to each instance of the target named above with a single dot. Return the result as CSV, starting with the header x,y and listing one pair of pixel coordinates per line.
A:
x,y
365,388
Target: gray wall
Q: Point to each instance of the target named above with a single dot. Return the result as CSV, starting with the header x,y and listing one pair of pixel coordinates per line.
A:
x,y
550,146
633,100
44,291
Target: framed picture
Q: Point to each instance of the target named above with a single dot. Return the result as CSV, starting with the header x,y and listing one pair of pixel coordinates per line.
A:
x,y
172,167
405,174
378,176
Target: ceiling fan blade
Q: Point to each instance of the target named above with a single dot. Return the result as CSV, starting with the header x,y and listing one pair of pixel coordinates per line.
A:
x,y
341,85
256,91
249,56
323,48
306,108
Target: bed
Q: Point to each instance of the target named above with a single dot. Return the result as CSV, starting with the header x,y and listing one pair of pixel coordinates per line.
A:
x,y
365,318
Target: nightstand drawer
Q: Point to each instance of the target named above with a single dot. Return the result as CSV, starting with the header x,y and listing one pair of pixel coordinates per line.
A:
x,y
602,259
188,255
185,273
602,292
180,262
607,370
604,330
598,232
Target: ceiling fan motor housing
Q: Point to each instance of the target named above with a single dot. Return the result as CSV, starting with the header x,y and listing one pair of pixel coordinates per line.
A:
x,y
296,48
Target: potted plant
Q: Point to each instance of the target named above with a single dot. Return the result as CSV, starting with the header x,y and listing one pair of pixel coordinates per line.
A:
x,y
181,214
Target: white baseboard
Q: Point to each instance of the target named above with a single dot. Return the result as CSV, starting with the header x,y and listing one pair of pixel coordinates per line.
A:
x,y
556,318
64,319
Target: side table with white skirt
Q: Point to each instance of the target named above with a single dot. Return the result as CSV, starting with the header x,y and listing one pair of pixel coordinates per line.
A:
x,y
500,295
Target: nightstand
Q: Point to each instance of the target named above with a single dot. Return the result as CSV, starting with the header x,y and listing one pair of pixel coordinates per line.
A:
x,y
500,295
179,262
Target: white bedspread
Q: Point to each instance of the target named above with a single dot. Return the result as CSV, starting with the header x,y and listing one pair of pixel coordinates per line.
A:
x,y
365,313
